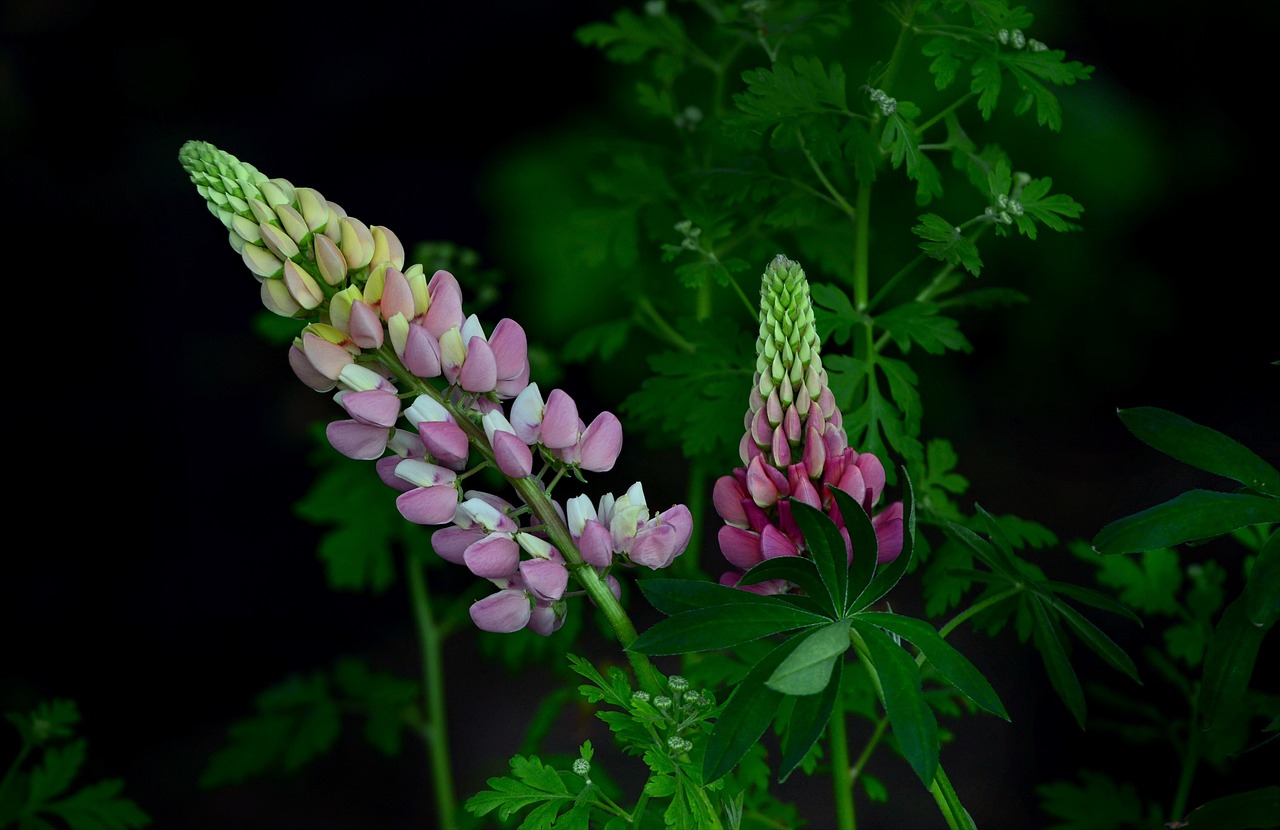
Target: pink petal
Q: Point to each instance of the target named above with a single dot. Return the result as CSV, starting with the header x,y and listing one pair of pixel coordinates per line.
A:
x,y
814,455
446,442
760,484
479,370
774,542
504,612
366,326
546,619
781,449
546,578
422,352
559,421
510,349
596,544
451,542
679,517
496,556
526,414
445,310
740,547
889,526
376,407
356,440
397,296
386,468
727,496
429,505
601,443
512,455
306,372
327,358
510,387
873,475
655,546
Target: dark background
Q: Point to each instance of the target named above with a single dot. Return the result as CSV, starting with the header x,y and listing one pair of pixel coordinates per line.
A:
x,y
155,572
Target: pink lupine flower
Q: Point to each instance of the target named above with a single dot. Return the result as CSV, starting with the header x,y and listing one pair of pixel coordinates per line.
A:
x,y
494,556
511,454
793,446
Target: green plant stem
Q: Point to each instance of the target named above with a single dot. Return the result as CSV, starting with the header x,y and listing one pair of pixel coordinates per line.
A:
x,y
1190,759
976,608
953,811
841,777
12,773
435,725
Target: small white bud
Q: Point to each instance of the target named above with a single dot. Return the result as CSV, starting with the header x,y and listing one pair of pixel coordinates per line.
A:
x,y
1003,36
581,766
677,683
1018,39
655,8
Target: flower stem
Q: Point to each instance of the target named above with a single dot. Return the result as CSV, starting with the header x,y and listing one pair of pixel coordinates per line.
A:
x,y
1190,758
435,724
841,775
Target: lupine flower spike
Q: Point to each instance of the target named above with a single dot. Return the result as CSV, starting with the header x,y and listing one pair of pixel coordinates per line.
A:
x,y
378,334
794,445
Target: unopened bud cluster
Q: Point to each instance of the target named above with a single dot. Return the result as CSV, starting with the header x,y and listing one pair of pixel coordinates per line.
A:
x,y
1018,40
376,328
794,446
675,713
888,105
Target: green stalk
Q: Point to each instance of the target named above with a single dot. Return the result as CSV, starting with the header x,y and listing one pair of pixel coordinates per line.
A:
x,y
1190,759
434,725
841,777
12,774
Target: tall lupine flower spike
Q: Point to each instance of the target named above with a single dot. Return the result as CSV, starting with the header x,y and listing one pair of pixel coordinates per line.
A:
x,y
794,445
378,334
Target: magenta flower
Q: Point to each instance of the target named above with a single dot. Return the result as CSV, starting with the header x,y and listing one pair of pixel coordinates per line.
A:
x,y
794,446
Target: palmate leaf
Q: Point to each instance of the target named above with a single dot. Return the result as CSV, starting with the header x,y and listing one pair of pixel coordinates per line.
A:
x,y
1053,652
809,718
826,547
808,669
746,715
673,596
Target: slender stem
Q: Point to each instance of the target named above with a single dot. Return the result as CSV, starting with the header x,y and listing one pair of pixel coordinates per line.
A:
x,y
862,247
841,777
435,725
1190,759
978,607
12,774
664,328
872,742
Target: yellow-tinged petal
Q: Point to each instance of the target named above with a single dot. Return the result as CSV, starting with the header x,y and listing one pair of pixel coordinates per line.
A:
x,y
246,229
333,265
340,307
356,242
237,242
262,262
302,286
262,211
417,278
275,296
314,209
374,285
387,247
278,241
277,192
293,224
398,331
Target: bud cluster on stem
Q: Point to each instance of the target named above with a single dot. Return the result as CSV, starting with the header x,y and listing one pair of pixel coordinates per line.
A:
x,y
379,334
794,446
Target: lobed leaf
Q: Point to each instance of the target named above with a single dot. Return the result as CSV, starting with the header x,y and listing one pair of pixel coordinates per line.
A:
x,y
746,715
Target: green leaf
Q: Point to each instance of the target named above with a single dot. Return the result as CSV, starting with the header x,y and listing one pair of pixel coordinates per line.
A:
x,y
387,698
1149,582
797,569
1201,447
746,715
100,807
598,342
532,782
1098,802
949,662
1053,653
1096,639
865,546
1093,598
1192,516
1239,811
809,718
55,772
1262,591
721,626
947,243
674,596
826,547
1228,663
807,670
833,312
920,323
887,577
913,723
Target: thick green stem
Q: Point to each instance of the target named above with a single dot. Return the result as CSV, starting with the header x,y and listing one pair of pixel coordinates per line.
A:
x,y
841,775
953,811
435,724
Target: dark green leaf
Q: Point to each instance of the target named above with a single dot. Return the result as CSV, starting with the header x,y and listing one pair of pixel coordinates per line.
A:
x,y
1201,447
807,670
1262,592
1239,811
1149,582
1096,639
673,596
1088,596
980,547
943,241
1053,652
910,717
746,715
721,626
1228,663
1194,515
1098,802
949,662
920,323
863,542
799,570
808,720
56,771
385,697
826,547
100,807
887,577
531,782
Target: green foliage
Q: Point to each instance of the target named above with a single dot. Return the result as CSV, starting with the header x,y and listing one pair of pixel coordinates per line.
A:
x,y
1096,803
41,796
298,720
